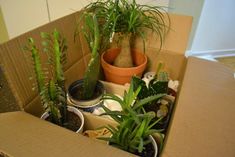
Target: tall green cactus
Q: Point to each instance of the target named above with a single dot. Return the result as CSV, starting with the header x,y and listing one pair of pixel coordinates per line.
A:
x,y
51,90
91,32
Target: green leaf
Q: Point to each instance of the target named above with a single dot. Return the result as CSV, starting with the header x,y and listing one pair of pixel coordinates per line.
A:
x,y
144,101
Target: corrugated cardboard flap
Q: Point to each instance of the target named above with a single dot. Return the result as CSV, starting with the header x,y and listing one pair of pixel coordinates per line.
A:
x,y
203,123
23,135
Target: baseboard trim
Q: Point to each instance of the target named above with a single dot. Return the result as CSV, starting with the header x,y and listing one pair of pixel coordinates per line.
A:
x,y
212,53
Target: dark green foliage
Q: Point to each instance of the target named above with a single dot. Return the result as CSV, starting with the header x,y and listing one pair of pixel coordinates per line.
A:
x,y
134,124
129,17
51,89
155,87
158,85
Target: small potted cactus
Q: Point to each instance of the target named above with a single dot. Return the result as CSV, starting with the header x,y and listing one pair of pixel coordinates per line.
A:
x,y
50,82
86,94
134,129
157,84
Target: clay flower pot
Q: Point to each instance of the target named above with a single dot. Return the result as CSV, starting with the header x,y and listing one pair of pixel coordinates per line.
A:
x,y
122,75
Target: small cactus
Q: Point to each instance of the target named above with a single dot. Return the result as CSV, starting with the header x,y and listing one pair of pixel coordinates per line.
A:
x,y
51,90
163,76
92,35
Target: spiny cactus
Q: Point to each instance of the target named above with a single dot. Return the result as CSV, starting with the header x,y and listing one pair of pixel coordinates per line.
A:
x,y
91,33
51,90
163,76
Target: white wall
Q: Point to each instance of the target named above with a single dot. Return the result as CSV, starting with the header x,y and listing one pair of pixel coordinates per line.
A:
x,y
154,2
216,28
188,7
60,8
24,15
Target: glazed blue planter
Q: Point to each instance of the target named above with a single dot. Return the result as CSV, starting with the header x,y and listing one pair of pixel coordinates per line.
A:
x,y
86,105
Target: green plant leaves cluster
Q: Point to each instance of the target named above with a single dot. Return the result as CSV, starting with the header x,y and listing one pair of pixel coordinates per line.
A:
x,y
134,124
52,90
124,16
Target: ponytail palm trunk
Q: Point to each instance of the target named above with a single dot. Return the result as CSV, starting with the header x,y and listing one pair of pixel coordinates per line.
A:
x,y
124,58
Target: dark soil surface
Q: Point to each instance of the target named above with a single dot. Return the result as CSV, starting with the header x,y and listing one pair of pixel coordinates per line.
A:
x,y
77,93
148,152
73,121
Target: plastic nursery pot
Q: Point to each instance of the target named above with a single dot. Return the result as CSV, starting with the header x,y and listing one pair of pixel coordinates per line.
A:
x,y
86,105
122,75
149,154
154,145
74,110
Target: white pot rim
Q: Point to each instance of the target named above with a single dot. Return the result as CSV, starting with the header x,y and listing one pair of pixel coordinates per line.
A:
x,y
154,145
74,110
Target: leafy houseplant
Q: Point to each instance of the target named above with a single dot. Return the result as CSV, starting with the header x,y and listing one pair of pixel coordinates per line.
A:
x,y
122,21
134,124
89,88
158,85
52,88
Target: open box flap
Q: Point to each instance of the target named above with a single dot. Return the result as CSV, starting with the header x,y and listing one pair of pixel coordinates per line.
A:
x,y
203,120
176,40
23,135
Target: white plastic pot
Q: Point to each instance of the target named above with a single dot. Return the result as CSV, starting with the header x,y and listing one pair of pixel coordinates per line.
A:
x,y
74,110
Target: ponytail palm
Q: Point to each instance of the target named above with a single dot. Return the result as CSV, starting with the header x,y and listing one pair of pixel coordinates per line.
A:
x,y
128,18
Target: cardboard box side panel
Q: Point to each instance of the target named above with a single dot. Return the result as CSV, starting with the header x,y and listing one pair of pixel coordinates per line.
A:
x,y
173,63
36,137
203,120
115,88
93,122
34,107
17,64
176,40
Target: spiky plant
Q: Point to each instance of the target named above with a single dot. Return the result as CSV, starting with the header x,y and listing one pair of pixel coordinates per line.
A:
x,y
158,85
134,124
51,90
91,33
128,19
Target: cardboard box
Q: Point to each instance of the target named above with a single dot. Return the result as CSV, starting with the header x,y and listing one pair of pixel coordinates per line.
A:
x,y
202,123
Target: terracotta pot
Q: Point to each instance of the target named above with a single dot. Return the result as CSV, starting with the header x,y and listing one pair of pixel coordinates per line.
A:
x,y
122,75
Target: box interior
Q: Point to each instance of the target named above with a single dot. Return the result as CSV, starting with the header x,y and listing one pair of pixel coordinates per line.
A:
x,y
202,123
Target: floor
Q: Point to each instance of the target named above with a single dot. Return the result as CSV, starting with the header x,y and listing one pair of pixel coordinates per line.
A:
x,y
228,61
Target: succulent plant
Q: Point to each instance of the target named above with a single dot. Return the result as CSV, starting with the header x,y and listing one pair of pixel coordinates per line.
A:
x,y
158,85
51,88
134,124
90,30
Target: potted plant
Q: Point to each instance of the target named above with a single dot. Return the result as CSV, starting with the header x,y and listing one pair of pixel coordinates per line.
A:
x,y
50,82
122,21
157,84
134,129
87,93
